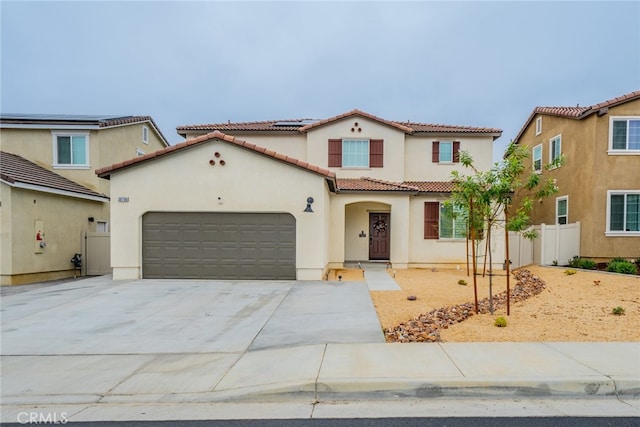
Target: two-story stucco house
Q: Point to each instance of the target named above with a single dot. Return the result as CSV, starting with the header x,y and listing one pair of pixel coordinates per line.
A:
x,y
49,192
292,199
599,184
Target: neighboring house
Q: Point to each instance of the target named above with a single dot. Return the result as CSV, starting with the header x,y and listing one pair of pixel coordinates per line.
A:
x,y
291,199
49,192
599,184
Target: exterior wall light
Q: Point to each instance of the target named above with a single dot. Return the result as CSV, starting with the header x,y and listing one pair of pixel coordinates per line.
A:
x,y
309,202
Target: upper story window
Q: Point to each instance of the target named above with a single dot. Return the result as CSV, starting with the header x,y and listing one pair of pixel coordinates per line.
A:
x,y
624,135
623,212
537,158
445,151
555,148
145,134
562,210
356,153
71,150
538,125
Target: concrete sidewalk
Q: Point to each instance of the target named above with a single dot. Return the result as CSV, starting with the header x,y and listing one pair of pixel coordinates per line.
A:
x,y
328,372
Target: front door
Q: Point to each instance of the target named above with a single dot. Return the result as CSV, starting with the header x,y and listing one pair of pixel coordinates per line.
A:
x,y
379,236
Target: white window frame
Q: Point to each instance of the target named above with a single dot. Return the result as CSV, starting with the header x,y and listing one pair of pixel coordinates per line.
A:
x,y
440,160
618,233
566,215
619,151
145,134
57,165
538,125
368,153
105,226
551,151
533,156
453,220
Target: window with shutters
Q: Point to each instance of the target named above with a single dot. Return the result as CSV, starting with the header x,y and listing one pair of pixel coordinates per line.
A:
x,y
443,221
445,152
356,153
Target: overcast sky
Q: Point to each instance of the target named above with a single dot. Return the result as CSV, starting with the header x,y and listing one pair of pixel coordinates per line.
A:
x,y
460,63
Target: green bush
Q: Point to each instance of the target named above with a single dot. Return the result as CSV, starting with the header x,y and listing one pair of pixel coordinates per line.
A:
x,y
618,311
623,267
570,272
583,263
462,282
501,322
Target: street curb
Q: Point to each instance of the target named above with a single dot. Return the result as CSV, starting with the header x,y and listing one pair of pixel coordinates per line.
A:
x,y
371,389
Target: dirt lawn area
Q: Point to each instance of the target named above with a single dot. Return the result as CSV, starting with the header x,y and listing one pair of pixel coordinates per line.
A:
x,y
571,308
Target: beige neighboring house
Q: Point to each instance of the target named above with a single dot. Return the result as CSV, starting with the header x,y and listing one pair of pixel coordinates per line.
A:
x,y
600,182
291,199
50,196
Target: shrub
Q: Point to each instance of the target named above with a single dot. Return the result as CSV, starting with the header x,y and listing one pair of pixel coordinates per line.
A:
x,y
569,272
462,282
583,263
618,311
623,267
501,322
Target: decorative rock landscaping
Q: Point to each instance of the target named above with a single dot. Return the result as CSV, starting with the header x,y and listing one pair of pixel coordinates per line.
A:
x,y
426,327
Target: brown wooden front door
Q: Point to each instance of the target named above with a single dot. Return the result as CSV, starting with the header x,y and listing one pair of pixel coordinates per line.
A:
x,y
379,236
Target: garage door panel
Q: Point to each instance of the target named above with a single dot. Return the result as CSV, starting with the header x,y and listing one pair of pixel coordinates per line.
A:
x,y
218,245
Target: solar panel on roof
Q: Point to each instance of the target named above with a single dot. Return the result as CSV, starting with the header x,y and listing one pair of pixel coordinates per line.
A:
x,y
298,123
54,117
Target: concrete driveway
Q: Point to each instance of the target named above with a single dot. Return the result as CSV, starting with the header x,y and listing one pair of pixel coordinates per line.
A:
x,y
101,316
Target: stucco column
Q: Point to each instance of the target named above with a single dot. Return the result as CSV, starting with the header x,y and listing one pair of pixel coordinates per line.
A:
x,y
400,229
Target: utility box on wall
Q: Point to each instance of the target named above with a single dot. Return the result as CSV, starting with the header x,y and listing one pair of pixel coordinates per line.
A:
x,y
40,243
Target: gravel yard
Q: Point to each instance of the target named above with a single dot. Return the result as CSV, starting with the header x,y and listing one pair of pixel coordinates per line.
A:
x,y
574,307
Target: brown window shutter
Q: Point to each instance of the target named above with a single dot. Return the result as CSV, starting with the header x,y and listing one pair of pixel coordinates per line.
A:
x,y
376,153
431,220
335,153
456,151
435,152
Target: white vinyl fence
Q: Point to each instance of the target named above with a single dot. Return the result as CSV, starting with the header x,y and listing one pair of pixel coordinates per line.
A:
x,y
557,243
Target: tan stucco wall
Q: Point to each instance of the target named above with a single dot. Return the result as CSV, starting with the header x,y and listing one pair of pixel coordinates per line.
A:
x,y
106,147
393,170
64,220
588,173
185,181
418,164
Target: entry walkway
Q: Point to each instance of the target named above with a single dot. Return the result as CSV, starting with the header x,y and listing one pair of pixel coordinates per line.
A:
x,y
377,277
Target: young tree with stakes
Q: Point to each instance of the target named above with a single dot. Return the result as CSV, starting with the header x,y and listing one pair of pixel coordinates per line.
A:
x,y
485,199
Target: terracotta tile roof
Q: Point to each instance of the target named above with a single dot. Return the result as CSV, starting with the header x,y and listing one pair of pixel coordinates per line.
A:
x,y
357,113
432,186
107,171
266,125
16,169
76,120
371,184
304,125
577,112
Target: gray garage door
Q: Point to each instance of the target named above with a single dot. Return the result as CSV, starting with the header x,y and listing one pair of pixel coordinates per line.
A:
x,y
214,245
